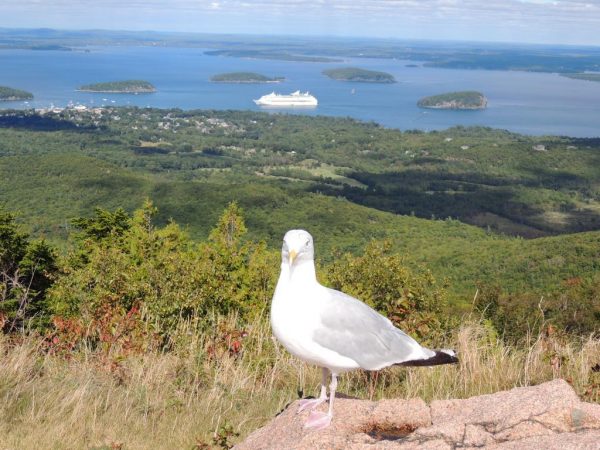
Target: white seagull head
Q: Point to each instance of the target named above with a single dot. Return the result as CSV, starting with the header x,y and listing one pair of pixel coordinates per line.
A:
x,y
297,248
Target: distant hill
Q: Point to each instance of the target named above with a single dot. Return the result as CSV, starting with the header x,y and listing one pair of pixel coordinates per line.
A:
x,y
274,55
11,94
455,100
123,87
583,76
359,75
244,77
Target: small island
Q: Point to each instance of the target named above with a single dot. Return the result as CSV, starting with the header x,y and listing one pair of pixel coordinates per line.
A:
x,y
359,75
583,76
9,94
120,87
244,77
455,100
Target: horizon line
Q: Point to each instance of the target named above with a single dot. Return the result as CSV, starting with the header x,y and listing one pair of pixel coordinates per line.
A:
x,y
303,36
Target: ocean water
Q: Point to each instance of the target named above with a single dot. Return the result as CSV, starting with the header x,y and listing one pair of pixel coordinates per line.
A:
x,y
524,102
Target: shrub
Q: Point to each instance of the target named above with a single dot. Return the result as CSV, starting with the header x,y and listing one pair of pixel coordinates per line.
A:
x,y
412,300
161,274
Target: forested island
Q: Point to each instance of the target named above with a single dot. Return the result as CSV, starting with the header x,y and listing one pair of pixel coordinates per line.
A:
x,y
120,87
455,100
583,76
9,94
244,77
359,75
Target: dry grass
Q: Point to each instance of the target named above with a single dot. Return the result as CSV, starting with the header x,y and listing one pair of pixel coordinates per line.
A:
x,y
178,400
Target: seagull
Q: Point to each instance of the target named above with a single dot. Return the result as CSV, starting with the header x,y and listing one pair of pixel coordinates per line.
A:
x,y
333,330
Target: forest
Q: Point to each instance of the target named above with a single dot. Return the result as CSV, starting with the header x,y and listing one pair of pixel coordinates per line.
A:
x,y
126,86
345,181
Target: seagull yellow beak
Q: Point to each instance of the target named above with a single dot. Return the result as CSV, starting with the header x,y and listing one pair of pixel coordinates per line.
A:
x,y
293,255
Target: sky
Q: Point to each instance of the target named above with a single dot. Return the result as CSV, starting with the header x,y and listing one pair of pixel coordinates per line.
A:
x,y
574,22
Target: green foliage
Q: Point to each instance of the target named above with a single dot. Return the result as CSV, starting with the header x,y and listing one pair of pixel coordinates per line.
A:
x,y
243,77
575,308
280,169
8,93
27,268
162,274
359,75
454,100
104,225
120,86
412,300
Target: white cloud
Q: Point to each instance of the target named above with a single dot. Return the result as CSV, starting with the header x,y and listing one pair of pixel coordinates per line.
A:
x,y
529,20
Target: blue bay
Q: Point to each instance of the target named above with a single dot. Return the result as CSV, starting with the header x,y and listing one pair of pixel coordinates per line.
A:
x,y
524,102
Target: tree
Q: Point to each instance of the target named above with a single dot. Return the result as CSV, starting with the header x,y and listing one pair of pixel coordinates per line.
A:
x,y
27,270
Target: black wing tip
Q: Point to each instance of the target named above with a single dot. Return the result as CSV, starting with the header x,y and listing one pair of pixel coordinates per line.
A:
x,y
440,357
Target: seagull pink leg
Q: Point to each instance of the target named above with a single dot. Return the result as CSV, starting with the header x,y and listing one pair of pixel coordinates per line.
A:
x,y
319,420
314,402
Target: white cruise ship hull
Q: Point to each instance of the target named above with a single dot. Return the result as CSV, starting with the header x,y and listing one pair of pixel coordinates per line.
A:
x,y
293,100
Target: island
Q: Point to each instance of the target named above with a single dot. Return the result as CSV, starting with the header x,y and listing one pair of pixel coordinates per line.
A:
x,y
359,75
9,94
120,87
583,76
244,77
274,55
455,100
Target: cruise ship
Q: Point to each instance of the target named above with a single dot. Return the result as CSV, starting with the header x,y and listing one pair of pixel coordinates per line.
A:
x,y
294,99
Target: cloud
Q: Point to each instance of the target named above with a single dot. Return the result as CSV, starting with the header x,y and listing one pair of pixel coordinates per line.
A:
x,y
541,20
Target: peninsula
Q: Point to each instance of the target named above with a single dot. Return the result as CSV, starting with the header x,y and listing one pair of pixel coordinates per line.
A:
x,y
583,76
120,87
244,77
8,94
359,75
274,55
455,100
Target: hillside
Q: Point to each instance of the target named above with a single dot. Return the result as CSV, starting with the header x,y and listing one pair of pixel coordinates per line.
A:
x,y
55,167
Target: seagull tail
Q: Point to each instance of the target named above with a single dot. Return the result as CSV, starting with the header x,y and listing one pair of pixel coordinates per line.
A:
x,y
440,357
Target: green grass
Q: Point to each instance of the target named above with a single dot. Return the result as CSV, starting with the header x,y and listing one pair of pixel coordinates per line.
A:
x,y
91,399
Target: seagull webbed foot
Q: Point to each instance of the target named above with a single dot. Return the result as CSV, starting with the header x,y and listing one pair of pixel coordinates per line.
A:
x,y
318,420
311,403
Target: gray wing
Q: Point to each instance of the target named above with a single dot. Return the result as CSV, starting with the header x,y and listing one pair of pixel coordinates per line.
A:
x,y
353,329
